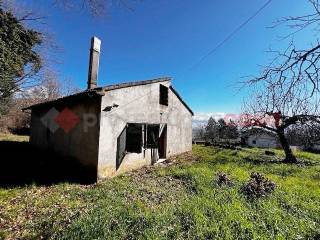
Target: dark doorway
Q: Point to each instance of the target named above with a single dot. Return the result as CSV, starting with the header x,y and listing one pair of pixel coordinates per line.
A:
x,y
163,142
136,137
121,147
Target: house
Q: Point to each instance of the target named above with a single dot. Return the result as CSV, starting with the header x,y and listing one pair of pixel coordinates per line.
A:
x,y
116,128
261,138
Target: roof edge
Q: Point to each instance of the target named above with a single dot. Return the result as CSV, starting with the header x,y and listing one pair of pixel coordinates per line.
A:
x,y
135,83
181,100
89,93
100,91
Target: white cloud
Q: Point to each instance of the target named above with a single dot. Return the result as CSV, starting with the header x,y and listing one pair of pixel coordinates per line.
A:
x,y
200,119
204,116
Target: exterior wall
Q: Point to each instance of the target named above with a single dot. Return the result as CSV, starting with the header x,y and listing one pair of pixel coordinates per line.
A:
x,y
80,143
140,104
263,141
316,147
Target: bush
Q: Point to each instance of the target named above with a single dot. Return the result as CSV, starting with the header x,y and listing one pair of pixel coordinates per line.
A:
x,y
223,179
270,153
258,186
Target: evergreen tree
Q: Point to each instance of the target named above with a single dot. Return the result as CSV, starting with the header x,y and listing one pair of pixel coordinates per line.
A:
x,y
19,60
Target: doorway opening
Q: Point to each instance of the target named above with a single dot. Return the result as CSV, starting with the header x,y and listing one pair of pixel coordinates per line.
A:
x,y
163,142
138,137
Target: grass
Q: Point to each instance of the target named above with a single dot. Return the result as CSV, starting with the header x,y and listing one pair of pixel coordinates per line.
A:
x,y
11,137
180,201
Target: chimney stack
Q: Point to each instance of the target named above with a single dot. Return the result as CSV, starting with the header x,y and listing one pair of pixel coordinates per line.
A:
x,y
94,62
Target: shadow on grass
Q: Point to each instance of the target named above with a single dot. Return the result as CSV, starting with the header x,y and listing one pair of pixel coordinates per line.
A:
x,y
262,159
22,164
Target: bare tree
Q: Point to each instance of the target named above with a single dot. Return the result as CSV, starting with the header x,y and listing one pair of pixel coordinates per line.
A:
x,y
286,93
295,66
271,108
50,88
95,7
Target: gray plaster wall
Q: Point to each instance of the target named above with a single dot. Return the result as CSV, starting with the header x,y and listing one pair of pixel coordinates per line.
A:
x,y
81,143
263,141
140,104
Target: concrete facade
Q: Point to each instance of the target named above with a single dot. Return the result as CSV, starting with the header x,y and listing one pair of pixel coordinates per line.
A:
x,y
262,140
81,143
95,145
140,104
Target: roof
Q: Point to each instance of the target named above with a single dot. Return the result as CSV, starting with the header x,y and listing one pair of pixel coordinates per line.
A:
x,y
100,91
70,98
258,131
135,83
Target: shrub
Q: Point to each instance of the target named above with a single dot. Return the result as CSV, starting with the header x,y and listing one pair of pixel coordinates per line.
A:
x,y
258,186
223,179
270,153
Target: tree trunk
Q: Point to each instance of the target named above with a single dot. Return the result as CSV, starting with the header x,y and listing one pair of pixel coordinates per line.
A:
x,y
290,158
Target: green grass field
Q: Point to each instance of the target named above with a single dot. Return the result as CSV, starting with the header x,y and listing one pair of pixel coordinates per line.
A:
x,y
180,201
11,137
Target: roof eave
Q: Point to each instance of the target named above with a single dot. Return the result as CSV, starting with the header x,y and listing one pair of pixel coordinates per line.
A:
x,y
88,93
181,100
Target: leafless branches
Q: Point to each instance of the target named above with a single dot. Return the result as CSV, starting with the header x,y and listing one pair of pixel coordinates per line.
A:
x,y
286,94
294,68
31,16
298,23
97,8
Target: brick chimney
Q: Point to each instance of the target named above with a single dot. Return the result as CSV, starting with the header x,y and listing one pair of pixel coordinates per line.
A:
x,y
94,62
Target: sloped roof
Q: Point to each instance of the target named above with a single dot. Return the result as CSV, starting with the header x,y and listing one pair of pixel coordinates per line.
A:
x,y
100,91
135,83
257,131
77,96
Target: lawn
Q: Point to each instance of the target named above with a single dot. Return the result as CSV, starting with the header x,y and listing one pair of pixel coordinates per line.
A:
x,y
181,200
11,137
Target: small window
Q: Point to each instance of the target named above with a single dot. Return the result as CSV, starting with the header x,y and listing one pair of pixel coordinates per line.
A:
x,y
163,95
254,142
152,136
134,138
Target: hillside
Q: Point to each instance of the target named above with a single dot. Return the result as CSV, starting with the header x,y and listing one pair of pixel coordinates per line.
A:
x,y
179,200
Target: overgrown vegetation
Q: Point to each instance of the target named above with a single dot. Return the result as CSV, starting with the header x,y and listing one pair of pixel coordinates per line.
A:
x,y
258,186
179,201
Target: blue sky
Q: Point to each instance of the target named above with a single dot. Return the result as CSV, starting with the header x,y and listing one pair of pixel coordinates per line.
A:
x,y
167,38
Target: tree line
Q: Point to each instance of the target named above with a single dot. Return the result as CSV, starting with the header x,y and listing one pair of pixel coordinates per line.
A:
x,y
216,130
26,77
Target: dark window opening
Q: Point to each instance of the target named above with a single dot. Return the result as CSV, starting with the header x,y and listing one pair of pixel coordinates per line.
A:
x,y
152,136
164,91
254,142
134,138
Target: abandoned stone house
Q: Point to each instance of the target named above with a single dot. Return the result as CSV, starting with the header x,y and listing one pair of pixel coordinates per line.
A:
x,y
116,128
260,138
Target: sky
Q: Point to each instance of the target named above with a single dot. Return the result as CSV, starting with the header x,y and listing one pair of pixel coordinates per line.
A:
x,y
168,38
